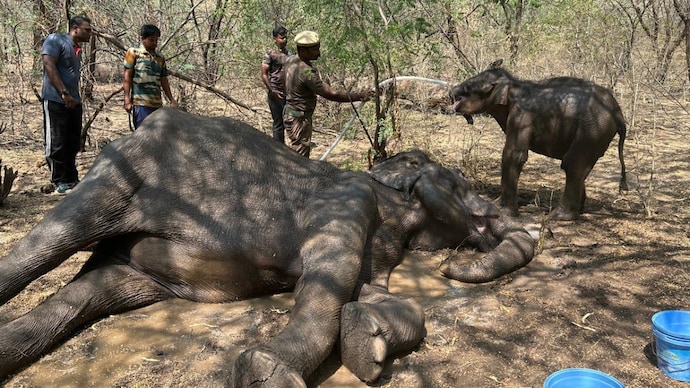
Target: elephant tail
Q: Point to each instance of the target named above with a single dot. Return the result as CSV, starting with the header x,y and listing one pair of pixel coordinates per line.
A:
x,y
623,185
515,250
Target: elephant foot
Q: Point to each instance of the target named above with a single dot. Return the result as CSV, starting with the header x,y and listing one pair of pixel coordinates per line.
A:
x,y
260,368
509,207
511,211
363,347
561,214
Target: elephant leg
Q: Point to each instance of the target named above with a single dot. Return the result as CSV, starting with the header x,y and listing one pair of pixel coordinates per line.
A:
x,y
573,201
375,327
71,226
307,339
515,153
331,263
105,288
583,197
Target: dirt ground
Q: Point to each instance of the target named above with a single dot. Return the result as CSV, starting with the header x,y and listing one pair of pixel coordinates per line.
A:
x,y
586,300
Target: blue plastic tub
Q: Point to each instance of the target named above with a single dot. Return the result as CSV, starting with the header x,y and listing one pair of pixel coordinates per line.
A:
x,y
671,331
581,378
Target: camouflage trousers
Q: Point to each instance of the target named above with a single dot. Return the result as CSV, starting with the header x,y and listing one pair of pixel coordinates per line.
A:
x,y
298,130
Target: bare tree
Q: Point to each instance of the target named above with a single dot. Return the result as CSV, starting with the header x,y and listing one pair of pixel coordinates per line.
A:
x,y
633,21
451,32
209,51
513,11
684,14
663,25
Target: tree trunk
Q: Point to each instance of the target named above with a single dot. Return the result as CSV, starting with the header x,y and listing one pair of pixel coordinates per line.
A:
x,y
684,14
210,58
513,26
687,46
452,36
88,79
39,34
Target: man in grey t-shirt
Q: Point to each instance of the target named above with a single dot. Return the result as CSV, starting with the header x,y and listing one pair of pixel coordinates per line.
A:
x,y
62,110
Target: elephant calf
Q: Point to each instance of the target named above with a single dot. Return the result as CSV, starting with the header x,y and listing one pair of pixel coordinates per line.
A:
x,y
564,118
212,210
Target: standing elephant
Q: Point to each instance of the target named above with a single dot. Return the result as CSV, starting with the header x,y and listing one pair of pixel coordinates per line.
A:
x,y
564,118
212,210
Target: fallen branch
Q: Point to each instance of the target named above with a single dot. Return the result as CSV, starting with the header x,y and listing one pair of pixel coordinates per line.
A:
x,y
6,182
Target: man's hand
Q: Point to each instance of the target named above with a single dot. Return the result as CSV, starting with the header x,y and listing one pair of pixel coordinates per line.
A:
x,y
369,94
69,101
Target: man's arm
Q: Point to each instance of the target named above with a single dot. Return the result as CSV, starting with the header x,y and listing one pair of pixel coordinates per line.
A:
x,y
342,96
50,67
127,86
265,77
165,84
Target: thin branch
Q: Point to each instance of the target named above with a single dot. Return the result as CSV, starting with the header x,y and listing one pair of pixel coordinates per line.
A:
x,y
85,129
115,41
212,89
177,30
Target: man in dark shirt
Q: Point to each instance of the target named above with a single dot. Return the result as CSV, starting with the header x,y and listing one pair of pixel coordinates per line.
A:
x,y
274,78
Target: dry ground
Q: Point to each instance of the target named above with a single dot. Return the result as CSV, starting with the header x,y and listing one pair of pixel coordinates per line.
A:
x,y
585,301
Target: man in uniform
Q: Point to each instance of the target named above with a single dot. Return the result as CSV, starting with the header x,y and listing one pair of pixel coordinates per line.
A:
x,y
302,84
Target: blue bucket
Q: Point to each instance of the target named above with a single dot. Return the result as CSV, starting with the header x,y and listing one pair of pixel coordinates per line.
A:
x,y
671,331
581,378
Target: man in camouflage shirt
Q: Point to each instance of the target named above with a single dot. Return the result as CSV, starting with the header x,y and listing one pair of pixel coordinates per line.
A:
x,y
145,76
302,84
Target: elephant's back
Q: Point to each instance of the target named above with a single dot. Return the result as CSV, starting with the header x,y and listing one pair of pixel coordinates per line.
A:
x,y
174,146
217,174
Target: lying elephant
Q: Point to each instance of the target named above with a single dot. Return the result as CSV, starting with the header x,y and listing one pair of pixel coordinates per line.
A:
x,y
564,118
212,210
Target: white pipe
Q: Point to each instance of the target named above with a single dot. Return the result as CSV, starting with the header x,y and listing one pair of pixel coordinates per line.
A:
x,y
381,84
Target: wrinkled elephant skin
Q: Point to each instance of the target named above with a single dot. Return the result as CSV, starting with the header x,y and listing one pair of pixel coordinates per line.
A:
x,y
212,210
563,118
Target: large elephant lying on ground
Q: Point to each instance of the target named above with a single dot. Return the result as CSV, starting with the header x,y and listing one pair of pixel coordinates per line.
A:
x,y
564,118
212,210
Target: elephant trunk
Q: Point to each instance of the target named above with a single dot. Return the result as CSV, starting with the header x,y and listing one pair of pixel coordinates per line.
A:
x,y
515,250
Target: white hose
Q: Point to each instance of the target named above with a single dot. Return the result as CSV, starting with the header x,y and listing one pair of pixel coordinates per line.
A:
x,y
381,85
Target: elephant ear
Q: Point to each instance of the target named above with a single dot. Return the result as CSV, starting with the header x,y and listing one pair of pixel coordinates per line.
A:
x,y
495,64
495,86
448,197
400,171
398,181
500,92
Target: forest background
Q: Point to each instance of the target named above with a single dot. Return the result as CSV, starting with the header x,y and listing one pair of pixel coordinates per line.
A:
x,y
217,46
